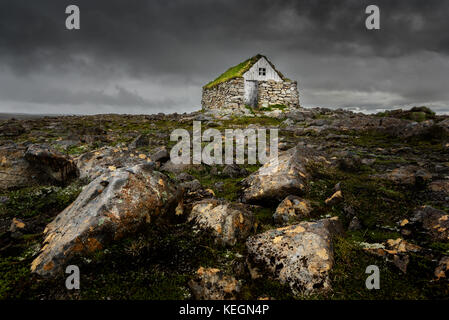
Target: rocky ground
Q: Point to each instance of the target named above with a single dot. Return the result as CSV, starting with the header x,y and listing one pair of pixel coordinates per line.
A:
x,y
349,191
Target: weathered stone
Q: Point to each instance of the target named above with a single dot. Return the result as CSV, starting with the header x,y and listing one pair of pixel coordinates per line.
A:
x,y
292,209
140,141
184,176
435,222
442,270
300,255
113,205
25,167
439,186
15,171
95,163
57,166
169,166
336,198
408,175
396,251
17,228
193,185
280,177
234,171
213,284
228,221
160,154
355,224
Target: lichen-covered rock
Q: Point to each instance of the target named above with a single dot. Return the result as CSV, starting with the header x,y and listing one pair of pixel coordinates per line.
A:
x,y
213,284
280,177
56,165
291,209
15,171
300,255
442,270
435,222
335,198
110,207
22,166
95,163
396,251
228,221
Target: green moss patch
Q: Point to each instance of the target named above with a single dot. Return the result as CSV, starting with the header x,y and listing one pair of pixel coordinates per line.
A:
x,y
238,71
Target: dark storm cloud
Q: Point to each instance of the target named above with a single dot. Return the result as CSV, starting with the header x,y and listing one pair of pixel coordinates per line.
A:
x,y
168,46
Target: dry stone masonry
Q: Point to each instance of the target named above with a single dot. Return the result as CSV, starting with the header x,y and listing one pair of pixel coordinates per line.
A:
x,y
273,93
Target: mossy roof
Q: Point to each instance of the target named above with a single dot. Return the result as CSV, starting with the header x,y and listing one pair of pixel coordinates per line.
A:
x,y
238,71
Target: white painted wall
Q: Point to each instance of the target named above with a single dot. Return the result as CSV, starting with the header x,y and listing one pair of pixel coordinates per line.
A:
x,y
253,72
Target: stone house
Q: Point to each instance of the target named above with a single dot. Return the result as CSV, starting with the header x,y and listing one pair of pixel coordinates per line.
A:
x,y
254,82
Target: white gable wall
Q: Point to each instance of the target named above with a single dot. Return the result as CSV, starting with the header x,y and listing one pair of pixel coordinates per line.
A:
x,y
253,72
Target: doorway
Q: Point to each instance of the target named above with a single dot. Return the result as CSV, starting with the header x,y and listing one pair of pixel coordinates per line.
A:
x,y
251,89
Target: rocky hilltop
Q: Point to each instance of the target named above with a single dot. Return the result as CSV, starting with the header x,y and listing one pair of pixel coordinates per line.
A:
x,y
349,191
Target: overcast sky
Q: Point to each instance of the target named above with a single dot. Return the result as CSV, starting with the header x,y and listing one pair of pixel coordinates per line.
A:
x,y
136,56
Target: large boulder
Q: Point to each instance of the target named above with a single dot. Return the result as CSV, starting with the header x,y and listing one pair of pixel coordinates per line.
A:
x,y
95,163
278,178
229,222
300,255
113,205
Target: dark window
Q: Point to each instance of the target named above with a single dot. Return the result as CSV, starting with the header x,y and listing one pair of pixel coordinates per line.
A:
x,y
262,71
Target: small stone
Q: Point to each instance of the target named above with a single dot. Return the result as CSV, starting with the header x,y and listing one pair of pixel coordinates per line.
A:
x,y
336,198
442,270
435,222
291,209
219,186
139,142
160,154
213,284
234,171
355,224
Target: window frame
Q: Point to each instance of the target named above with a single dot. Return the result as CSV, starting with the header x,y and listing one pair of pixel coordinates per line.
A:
x,y
262,71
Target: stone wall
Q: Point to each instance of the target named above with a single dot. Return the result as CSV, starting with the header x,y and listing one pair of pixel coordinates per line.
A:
x,y
226,95
230,94
271,92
